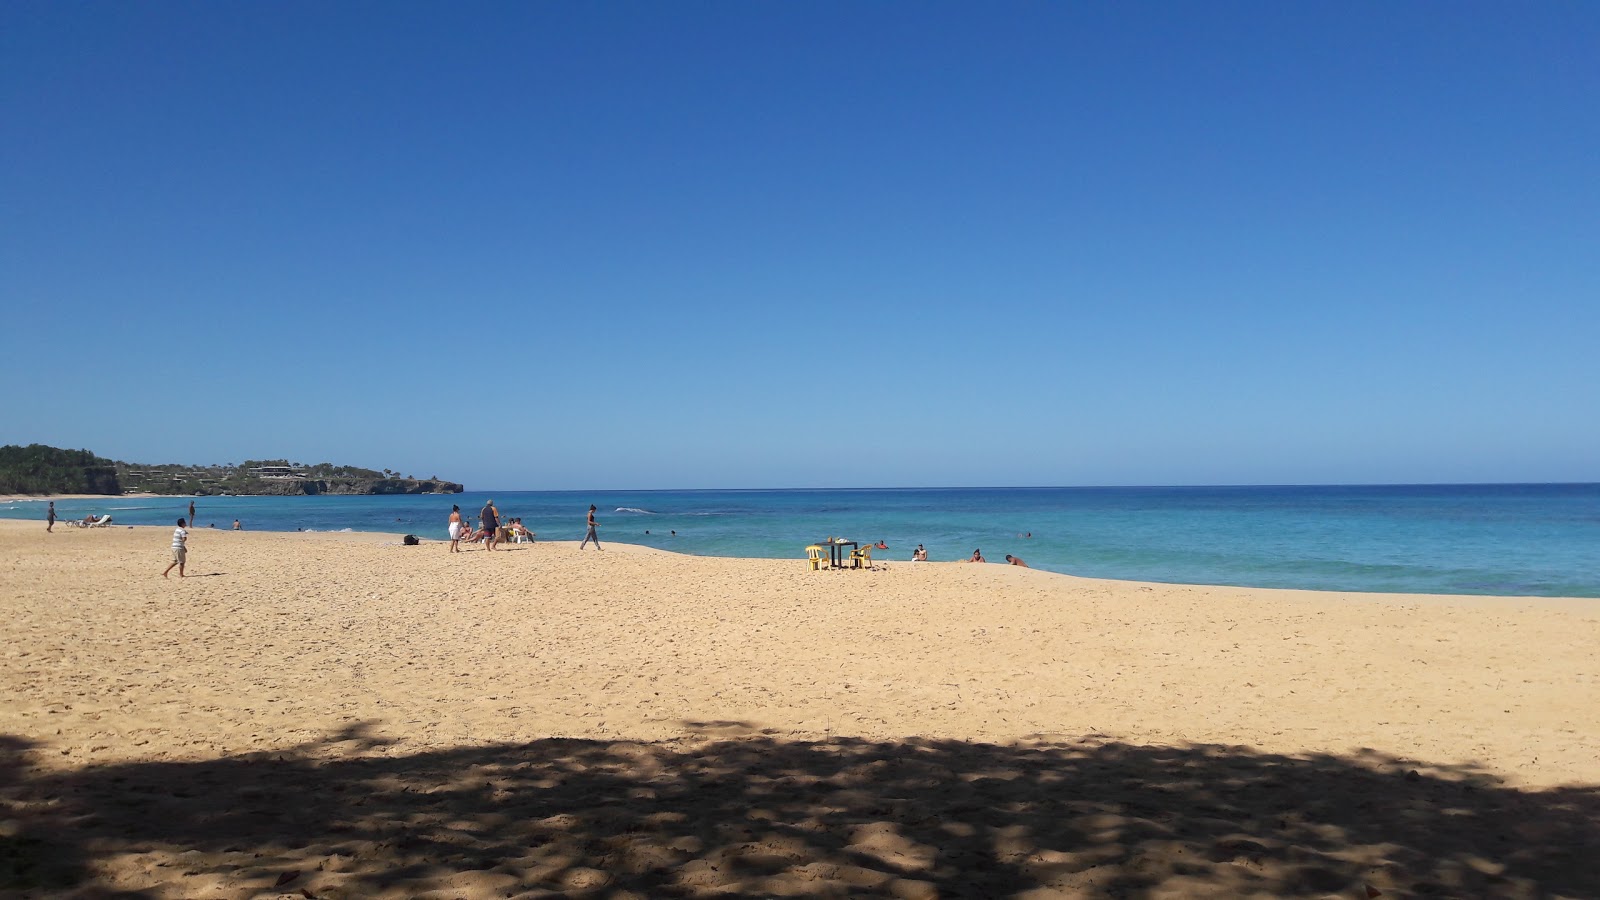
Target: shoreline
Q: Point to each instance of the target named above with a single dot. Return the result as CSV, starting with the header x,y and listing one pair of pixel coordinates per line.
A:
x,y
395,536
1469,543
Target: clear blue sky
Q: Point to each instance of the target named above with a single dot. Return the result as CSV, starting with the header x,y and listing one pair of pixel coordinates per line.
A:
x,y
634,245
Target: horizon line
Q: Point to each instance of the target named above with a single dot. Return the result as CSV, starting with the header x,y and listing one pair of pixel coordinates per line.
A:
x,y
1034,487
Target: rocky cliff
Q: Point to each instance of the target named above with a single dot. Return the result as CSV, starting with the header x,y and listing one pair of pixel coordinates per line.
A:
x,y
291,486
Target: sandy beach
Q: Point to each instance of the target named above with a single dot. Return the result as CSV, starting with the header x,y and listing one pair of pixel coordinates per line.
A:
x,y
334,716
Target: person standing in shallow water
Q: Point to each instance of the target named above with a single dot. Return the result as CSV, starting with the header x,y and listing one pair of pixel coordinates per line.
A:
x,y
191,512
591,535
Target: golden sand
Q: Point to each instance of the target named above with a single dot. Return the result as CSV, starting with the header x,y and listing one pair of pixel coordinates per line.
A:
x,y
383,720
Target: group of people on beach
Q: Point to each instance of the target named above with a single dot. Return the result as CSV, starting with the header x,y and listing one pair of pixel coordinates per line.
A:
x,y
977,556
87,521
492,529
921,555
490,532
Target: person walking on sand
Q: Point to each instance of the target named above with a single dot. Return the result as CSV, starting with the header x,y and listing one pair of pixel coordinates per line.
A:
x,y
591,535
50,517
1016,561
490,523
455,529
180,549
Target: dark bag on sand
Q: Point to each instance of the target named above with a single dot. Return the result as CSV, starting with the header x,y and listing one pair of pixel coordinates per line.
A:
x,y
410,540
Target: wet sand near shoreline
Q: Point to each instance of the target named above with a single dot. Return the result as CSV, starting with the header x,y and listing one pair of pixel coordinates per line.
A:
x,y
383,720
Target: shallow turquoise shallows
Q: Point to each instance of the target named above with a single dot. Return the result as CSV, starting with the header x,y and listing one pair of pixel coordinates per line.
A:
x,y
1532,540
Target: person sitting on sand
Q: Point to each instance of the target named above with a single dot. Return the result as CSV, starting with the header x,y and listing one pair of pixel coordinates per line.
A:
x,y
1016,561
977,556
237,526
919,554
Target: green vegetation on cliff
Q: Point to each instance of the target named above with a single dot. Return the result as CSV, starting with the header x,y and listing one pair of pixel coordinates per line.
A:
x,y
37,469
276,476
41,470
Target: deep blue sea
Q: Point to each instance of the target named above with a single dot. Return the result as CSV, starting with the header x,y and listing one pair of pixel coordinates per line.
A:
x,y
1534,540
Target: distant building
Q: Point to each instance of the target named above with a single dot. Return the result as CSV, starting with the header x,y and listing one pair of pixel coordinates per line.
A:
x,y
274,472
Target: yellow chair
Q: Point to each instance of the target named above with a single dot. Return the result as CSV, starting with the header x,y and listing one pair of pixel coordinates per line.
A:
x,y
814,552
862,558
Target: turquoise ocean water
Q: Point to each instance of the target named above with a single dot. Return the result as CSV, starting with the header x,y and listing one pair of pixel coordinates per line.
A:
x,y
1534,540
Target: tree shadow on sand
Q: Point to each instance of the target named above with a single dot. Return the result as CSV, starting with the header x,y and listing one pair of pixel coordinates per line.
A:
x,y
762,817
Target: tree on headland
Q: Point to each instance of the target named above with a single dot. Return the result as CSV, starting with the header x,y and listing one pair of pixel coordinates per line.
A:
x,y
40,469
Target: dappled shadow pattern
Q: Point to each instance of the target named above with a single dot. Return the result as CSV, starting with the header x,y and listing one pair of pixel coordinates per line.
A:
x,y
761,817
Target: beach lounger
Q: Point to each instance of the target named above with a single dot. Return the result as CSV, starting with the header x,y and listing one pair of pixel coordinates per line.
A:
x,y
101,522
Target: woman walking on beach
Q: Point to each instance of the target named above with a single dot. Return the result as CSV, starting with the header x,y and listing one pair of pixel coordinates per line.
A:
x,y
592,535
50,517
455,529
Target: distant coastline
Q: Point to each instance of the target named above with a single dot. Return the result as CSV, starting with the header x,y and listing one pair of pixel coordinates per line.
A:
x,y
38,470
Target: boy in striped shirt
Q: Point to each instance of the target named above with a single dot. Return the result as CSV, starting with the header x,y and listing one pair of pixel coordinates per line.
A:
x,y
180,549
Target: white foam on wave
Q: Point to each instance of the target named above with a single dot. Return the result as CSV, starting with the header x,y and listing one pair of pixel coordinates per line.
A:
x,y
634,509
